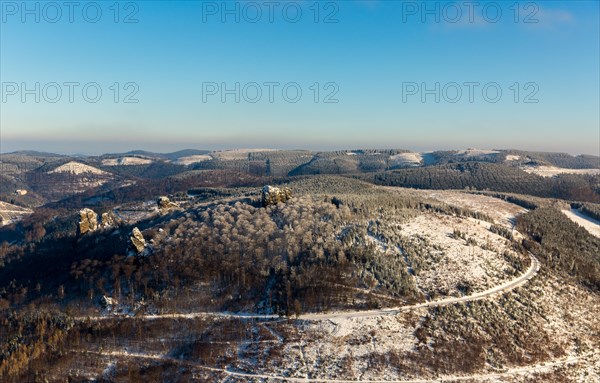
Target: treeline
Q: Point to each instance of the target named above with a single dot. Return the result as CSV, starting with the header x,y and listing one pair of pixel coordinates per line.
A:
x,y
347,162
561,160
563,245
279,163
527,202
480,176
444,157
155,170
590,209
144,190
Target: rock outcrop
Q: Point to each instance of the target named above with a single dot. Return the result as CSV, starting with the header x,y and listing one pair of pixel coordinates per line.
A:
x,y
272,195
137,240
108,302
109,220
164,203
88,221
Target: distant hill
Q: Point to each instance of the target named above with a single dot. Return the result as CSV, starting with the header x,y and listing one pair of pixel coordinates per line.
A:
x,y
33,153
165,156
561,160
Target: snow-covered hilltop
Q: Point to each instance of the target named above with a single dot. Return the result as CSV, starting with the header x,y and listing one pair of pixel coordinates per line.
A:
x,y
74,167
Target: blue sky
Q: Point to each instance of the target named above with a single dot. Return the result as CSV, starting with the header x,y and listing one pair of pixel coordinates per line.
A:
x,y
367,55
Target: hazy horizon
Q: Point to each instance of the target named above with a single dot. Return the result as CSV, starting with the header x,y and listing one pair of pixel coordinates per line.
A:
x,y
171,149
417,75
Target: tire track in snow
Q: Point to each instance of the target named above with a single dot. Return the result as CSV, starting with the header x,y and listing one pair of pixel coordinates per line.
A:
x,y
543,367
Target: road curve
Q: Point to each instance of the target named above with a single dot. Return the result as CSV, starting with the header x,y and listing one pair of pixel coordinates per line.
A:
x,y
533,269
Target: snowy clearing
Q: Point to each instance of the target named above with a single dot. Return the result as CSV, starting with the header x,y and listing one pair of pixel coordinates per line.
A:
x,y
188,160
584,221
238,153
126,161
551,171
503,212
476,152
10,213
475,261
406,159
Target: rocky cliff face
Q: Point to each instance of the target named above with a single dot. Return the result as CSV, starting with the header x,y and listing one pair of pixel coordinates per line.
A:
x,y
273,195
138,243
88,221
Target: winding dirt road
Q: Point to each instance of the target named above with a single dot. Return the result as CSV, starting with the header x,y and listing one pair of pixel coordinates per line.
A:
x,y
543,367
500,289
533,269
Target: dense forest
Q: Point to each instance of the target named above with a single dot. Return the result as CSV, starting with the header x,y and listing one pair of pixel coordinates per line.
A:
x,y
563,245
479,176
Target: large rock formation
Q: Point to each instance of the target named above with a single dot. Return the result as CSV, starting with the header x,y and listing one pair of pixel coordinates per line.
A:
x,y
164,203
137,240
273,195
88,221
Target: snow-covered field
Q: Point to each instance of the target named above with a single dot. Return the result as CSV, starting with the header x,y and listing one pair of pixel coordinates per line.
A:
x,y
77,168
551,171
126,161
586,222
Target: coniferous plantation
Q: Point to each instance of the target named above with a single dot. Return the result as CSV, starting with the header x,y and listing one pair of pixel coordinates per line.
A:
x,y
455,268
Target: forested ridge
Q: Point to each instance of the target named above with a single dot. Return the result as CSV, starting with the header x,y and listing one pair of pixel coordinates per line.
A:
x,y
563,245
479,176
